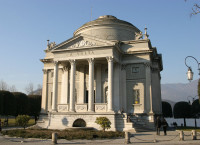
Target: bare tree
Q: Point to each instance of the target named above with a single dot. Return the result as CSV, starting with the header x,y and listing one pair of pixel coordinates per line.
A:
x,y
30,89
195,8
3,86
12,88
39,90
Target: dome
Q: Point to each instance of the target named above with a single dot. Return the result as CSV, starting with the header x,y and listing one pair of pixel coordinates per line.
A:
x,y
109,28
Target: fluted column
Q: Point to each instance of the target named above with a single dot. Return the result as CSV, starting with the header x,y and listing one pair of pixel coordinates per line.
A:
x,y
110,83
91,85
72,85
55,87
44,91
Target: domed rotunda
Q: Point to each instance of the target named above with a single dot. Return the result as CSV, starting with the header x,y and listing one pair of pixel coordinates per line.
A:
x,y
107,69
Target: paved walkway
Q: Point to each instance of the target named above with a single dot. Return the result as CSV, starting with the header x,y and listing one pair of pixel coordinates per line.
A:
x,y
141,138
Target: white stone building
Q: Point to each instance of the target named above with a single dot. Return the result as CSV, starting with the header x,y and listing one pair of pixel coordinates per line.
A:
x,y
108,68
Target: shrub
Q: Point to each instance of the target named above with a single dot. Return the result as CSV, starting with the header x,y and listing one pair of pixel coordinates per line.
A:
x,y
103,122
22,120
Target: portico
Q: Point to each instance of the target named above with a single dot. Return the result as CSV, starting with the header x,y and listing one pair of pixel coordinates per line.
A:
x,y
81,104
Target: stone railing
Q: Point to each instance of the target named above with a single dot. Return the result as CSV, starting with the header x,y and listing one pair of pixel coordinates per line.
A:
x,y
100,107
63,107
81,107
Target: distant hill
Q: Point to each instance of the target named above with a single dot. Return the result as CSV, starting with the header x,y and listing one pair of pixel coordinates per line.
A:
x,y
178,92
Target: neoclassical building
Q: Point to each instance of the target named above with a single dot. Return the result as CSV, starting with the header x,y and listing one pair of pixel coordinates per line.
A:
x,y
108,68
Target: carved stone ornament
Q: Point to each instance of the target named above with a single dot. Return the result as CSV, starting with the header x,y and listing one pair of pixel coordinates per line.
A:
x,y
50,46
81,108
138,35
82,43
100,107
62,108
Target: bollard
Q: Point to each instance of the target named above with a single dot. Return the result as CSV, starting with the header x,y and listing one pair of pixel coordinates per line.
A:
x,y
54,138
194,134
127,137
181,135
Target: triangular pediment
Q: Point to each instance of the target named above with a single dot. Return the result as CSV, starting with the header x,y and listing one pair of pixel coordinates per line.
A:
x,y
82,41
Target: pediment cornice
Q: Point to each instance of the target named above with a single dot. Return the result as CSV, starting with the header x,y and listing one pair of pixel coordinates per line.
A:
x,y
81,42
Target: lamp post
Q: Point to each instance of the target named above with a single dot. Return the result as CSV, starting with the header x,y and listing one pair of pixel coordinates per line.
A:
x,y
190,101
190,73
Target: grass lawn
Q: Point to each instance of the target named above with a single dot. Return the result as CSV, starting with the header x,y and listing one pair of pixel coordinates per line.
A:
x,y
11,122
63,134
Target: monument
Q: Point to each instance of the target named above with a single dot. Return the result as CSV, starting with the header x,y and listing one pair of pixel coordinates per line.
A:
x,y
108,68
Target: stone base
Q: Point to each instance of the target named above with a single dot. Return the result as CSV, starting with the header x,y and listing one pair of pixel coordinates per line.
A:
x,y
58,120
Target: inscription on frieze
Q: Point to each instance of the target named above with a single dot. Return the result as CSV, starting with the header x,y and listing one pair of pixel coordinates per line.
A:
x,y
82,43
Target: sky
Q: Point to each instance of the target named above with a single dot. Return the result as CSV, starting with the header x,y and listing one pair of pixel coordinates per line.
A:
x,y
25,25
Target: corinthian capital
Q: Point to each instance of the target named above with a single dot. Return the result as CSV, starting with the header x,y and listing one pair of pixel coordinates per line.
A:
x,y
109,58
45,71
90,60
72,61
55,62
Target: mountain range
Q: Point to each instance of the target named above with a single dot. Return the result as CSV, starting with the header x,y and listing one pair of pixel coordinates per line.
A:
x,y
179,91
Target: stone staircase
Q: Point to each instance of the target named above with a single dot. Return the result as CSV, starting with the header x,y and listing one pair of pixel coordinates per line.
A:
x,y
141,124
135,124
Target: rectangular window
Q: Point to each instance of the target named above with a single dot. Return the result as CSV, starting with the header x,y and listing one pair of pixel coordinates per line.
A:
x,y
135,69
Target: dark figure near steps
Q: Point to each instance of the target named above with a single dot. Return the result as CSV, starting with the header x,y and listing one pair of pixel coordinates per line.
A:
x,y
165,125
158,125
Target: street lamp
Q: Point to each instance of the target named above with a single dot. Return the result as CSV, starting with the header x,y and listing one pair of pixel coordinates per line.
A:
x,y
190,73
192,100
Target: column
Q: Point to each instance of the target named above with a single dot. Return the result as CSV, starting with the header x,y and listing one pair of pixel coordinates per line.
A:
x,y
44,91
91,85
64,89
72,85
110,83
55,87
148,87
98,84
80,99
